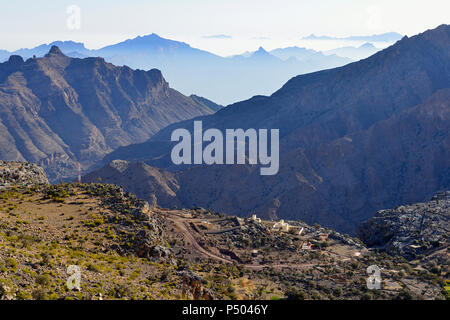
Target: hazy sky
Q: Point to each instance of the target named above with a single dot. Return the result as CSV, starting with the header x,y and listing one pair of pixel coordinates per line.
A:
x,y
221,26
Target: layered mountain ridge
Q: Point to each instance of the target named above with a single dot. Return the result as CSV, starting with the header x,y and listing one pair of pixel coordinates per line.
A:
x,y
222,79
56,111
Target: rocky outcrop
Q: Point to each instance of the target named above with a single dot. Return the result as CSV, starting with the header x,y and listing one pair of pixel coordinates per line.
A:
x,y
56,111
21,174
146,235
145,247
192,286
410,230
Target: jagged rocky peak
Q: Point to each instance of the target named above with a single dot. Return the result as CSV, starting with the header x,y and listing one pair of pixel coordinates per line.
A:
x,y
16,60
55,50
261,49
56,57
261,52
157,76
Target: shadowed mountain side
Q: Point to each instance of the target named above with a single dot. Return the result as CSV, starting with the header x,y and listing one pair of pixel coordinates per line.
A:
x,y
323,106
339,184
210,104
56,110
155,185
317,114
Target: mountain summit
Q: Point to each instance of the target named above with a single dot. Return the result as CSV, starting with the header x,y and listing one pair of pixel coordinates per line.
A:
x,y
55,50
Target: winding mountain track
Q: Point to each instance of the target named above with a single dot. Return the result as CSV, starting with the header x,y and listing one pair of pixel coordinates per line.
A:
x,y
188,235
197,247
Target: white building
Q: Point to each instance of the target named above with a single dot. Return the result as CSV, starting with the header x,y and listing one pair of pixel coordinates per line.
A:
x,y
281,225
255,218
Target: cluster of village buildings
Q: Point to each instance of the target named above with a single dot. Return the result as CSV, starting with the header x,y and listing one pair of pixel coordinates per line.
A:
x,y
283,226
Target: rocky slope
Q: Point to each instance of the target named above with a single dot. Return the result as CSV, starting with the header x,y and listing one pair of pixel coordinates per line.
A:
x,y
411,230
353,140
124,249
56,111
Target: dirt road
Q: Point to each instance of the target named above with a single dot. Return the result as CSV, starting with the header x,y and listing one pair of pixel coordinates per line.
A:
x,y
179,224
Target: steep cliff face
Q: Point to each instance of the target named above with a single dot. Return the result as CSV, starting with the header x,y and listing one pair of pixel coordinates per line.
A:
x,y
353,140
56,110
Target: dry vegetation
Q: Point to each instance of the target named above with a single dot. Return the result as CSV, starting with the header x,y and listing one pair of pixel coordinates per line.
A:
x,y
128,251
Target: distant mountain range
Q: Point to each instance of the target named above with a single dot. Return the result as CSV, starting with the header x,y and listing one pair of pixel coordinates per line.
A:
x,y
384,37
354,53
224,80
353,140
56,111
